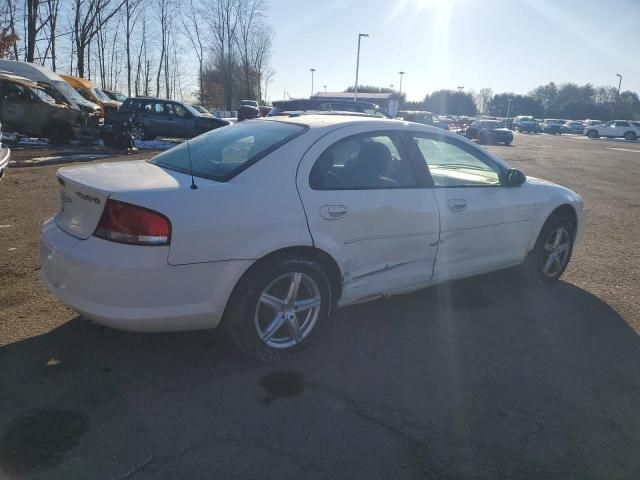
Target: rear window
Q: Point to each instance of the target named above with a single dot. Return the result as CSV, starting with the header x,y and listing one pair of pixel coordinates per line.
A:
x,y
223,153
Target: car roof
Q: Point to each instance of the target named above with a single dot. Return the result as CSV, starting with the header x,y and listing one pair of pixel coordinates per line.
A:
x,y
331,121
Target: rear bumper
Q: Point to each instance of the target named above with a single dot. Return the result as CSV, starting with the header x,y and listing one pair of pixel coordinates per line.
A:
x,y
5,154
132,287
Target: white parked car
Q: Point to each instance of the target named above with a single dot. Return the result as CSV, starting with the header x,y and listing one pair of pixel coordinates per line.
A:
x,y
4,157
286,218
615,128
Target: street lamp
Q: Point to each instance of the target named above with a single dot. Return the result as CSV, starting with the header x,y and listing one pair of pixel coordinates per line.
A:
x,y
619,82
312,70
401,74
355,90
325,88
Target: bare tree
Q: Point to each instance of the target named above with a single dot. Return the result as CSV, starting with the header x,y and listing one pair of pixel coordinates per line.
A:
x,y
224,25
90,16
250,14
34,26
53,9
261,55
191,18
164,10
132,10
483,98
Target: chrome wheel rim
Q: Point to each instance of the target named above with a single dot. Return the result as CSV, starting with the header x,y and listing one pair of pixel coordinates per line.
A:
x,y
137,132
556,252
287,310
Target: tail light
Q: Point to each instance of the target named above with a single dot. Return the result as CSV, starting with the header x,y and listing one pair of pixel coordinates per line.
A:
x,y
126,223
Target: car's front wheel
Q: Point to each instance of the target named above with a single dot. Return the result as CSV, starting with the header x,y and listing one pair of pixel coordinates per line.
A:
x,y
552,252
592,134
278,309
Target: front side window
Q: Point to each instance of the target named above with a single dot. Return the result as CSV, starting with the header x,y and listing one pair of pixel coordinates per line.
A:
x,y
451,165
371,161
224,152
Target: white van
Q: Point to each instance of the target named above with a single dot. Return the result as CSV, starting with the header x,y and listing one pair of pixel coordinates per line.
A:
x,y
55,86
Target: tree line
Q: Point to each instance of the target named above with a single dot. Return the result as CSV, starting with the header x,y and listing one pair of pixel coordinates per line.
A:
x,y
137,46
568,100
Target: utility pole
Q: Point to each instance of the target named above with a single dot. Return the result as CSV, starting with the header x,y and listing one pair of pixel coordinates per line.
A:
x,y
509,107
401,74
325,88
460,100
355,90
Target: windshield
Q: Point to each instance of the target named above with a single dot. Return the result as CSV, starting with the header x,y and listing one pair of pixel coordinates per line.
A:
x,y
69,92
101,95
224,152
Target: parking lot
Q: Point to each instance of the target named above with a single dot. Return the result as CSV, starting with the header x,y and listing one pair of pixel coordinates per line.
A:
x,y
485,378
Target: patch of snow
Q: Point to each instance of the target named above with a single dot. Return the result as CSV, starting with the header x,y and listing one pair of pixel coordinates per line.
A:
x,y
158,144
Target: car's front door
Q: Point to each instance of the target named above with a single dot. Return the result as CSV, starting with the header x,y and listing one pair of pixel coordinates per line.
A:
x,y
366,208
484,224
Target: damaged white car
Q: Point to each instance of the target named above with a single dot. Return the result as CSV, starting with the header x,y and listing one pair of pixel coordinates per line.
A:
x,y
267,225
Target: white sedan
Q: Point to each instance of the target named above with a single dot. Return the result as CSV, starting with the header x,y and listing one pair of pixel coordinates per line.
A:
x,y
267,225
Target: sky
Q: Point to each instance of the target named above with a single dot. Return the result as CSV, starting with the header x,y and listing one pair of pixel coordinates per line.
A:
x,y
505,45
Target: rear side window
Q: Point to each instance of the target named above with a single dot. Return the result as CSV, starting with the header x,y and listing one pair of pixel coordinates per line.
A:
x,y
223,153
372,161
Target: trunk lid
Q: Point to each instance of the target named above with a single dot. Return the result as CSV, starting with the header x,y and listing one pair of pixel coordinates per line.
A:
x,y
85,189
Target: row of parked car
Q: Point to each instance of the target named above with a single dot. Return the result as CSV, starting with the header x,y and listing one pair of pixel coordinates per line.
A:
x,y
627,129
38,102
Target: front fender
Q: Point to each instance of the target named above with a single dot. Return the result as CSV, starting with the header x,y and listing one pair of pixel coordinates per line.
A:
x,y
550,196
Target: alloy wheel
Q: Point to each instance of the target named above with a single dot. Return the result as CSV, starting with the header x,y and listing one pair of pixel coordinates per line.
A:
x,y
287,310
556,252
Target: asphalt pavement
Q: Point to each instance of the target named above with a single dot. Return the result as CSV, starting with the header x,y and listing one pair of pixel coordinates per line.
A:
x,y
486,378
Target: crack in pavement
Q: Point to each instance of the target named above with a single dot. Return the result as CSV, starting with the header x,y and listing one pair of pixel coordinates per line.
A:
x,y
427,469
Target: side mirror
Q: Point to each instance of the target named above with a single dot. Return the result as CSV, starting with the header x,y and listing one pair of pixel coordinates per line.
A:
x,y
514,178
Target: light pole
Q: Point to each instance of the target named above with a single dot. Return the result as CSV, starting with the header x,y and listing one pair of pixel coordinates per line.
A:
x,y
325,88
312,70
400,91
509,107
619,82
355,90
460,100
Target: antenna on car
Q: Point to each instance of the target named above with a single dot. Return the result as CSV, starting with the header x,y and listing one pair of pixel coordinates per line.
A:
x,y
193,182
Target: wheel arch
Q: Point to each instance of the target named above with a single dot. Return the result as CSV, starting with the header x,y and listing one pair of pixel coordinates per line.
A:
x,y
324,259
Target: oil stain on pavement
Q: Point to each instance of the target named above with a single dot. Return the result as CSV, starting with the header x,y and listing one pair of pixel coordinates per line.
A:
x,y
40,440
282,384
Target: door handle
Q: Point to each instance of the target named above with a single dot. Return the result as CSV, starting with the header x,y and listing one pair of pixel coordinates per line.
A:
x,y
333,212
457,204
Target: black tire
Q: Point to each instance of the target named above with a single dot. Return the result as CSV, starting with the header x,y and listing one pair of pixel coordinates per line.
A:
x,y
481,139
241,318
592,134
59,135
508,142
539,256
631,136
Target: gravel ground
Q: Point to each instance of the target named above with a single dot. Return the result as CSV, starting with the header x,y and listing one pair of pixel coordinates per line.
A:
x,y
485,378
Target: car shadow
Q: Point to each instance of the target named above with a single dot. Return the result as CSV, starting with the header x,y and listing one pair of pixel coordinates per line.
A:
x,y
479,378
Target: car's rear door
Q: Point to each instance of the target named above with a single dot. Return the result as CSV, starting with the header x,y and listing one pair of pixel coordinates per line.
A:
x,y
366,207
484,224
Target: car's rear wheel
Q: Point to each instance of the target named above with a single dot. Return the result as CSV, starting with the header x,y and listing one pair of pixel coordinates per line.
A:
x,y
278,309
592,134
552,252
630,136
140,132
